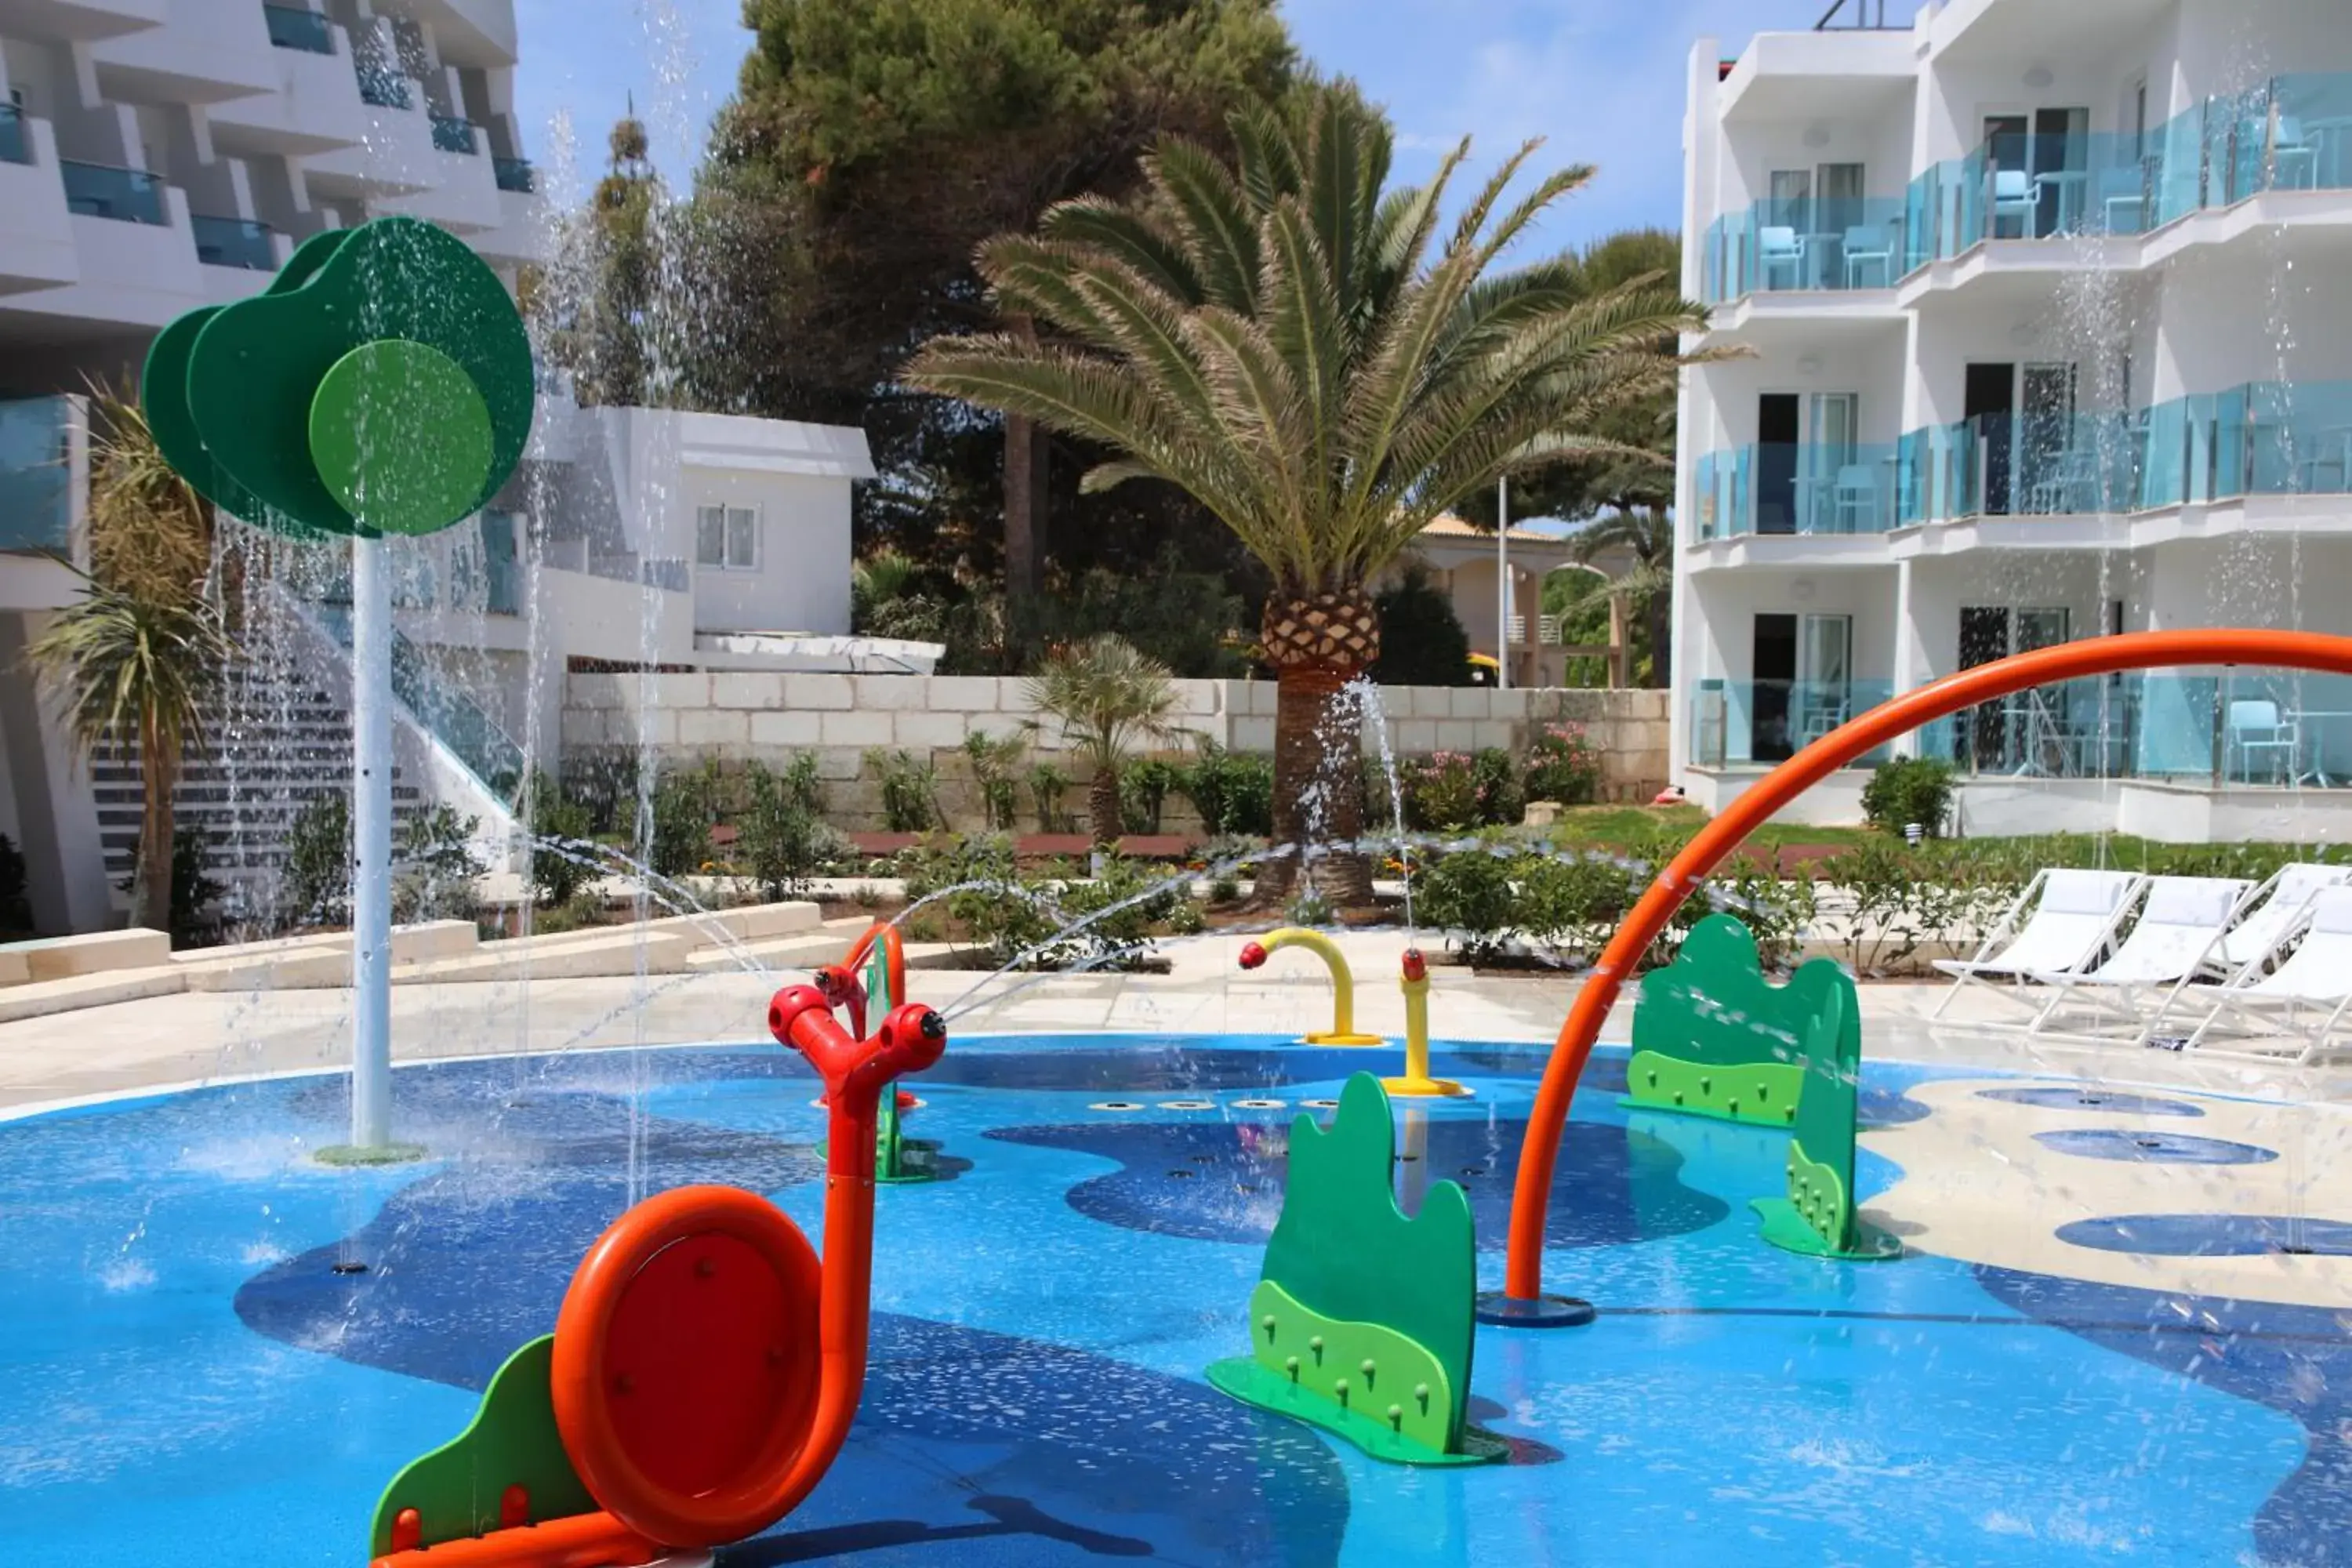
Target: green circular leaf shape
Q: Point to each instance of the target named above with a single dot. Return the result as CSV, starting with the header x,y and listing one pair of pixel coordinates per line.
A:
x,y
401,436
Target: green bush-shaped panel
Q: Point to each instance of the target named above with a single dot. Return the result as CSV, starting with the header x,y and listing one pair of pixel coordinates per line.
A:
x,y
1712,1008
1345,1251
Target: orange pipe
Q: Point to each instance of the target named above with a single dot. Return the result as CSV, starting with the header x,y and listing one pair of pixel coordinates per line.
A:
x,y
1531,1199
894,955
576,1540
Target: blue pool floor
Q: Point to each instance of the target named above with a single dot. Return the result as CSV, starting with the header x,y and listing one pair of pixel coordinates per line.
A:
x,y
182,1364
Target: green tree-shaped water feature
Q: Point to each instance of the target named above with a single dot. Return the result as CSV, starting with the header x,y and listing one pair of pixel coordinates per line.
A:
x,y
1361,1319
381,385
1713,1038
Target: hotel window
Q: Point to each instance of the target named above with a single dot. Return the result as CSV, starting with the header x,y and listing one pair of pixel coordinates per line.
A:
x,y
727,538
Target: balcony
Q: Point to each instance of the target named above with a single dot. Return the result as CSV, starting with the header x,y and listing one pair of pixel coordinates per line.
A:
x,y
36,474
1787,488
292,28
452,135
515,174
234,242
1758,723
2264,438
2290,132
1807,246
382,85
126,195
2233,729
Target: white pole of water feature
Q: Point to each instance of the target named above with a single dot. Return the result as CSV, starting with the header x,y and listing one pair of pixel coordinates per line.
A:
x,y
1503,583
371,845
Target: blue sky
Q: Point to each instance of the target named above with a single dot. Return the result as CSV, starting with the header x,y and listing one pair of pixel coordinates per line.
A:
x,y
1600,79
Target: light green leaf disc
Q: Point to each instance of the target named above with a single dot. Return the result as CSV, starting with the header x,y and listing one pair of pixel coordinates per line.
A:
x,y
401,436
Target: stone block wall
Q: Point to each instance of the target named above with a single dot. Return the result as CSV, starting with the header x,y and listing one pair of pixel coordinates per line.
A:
x,y
737,716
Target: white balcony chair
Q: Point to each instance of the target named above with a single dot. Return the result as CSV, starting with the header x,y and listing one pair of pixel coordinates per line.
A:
x,y
2317,976
2254,724
2014,195
1855,497
1866,246
1780,245
2176,939
2074,920
2294,156
2122,195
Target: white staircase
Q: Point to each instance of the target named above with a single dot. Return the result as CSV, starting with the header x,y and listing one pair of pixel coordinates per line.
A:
x,y
278,737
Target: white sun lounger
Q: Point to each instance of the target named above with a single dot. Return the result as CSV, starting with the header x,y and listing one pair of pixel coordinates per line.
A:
x,y
2316,976
2177,938
2276,911
2075,917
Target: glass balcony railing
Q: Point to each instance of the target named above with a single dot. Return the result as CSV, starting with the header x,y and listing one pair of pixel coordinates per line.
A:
x,y
452,135
129,195
292,28
1736,723
438,703
2266,438
2002,463
515,174
36,474
234,242
1824,245
2202,729
2290,132
382,84
1787,488
15,142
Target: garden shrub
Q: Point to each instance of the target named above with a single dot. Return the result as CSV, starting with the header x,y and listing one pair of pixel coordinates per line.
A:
x,y
1143,786
910,790
563,862
435,866
1563,765
1442,793
1501,801
685,809
1907,790
993,760
782,839
1233,791
315,887
1048,787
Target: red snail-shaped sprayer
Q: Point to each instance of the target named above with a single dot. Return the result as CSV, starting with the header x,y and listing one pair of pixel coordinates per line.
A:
x,y
705,1366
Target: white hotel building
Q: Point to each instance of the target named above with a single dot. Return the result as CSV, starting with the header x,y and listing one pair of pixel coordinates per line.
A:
x,y
157,155
2043,310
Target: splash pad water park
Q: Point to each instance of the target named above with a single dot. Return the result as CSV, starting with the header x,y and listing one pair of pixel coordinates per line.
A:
x,y
1225,1297
869,1287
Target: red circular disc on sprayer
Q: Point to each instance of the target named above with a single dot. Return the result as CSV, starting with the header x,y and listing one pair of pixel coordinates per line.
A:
x,y
685,1372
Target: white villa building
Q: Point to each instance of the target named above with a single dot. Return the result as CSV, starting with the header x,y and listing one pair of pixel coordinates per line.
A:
x,y
156,155
2047,333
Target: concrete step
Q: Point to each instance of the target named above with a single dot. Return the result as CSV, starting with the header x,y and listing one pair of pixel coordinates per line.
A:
x,y
93,953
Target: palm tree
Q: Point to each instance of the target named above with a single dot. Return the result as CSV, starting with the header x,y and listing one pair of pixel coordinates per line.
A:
x,y
1300,350
1634,493
136,656
1107,698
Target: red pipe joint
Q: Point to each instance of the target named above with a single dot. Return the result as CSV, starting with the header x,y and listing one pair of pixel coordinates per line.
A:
x,y
1252,955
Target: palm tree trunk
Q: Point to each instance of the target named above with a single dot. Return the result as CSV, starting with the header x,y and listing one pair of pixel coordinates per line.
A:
x,y
151,876
1024,505
1659,613
1102,805
1317,790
